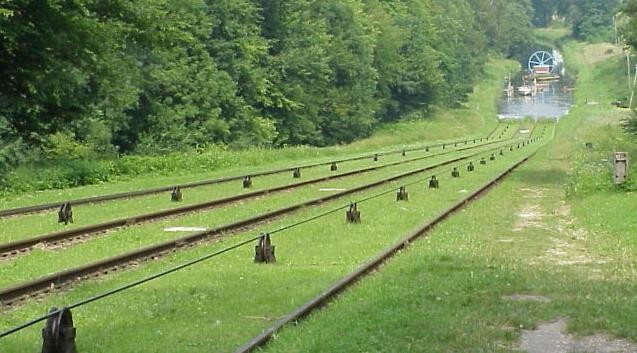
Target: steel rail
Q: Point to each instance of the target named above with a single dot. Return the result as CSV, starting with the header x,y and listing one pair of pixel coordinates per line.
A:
x,y
21,246
337,288
45,284
95,199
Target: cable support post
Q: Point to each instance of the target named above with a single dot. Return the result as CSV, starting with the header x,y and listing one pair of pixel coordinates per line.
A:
x,y
402,194
433,182
247,182
353,215
176,195
65,213
264,250
58,335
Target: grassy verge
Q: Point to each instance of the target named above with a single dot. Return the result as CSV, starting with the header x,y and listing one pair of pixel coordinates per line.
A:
x,y
558,230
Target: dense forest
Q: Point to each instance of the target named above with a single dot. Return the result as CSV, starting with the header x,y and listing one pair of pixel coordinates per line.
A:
x,y
150,76
91,79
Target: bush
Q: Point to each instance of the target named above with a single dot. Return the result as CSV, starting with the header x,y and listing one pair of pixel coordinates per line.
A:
x,y
56,175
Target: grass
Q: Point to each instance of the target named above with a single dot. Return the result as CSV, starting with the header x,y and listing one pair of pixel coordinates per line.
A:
x,y
34,224
41,261
557,228
219,305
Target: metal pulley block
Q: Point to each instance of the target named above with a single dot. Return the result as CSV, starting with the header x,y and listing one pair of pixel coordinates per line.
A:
x,y
470,167
175,194
296,173
58,335
353,215
264,250
492,157
333,167
65,214
402,194
455,172
433,182
247,182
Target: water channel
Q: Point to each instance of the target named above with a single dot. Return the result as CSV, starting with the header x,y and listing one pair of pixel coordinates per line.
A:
x,y
551,99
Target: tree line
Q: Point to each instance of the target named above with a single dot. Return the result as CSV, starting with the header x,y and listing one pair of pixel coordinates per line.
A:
x,y
590,20
103,77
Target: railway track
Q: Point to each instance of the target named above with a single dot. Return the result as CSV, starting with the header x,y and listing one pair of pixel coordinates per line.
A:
x,y
46,284
22,246
125,195
340,286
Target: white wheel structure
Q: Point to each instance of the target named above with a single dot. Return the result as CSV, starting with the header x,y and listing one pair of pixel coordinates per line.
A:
x,y
541,58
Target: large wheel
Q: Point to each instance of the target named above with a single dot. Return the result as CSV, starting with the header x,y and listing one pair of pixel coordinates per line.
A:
x,y
541,58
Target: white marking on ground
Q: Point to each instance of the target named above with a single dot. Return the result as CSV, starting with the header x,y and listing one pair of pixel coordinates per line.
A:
x,y
184,229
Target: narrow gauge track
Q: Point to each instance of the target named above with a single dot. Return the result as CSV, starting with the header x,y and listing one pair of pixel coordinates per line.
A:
x,y
21,246
47,283
328,294
95,199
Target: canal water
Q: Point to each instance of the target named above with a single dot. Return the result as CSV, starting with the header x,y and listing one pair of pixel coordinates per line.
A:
x,y
552,100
